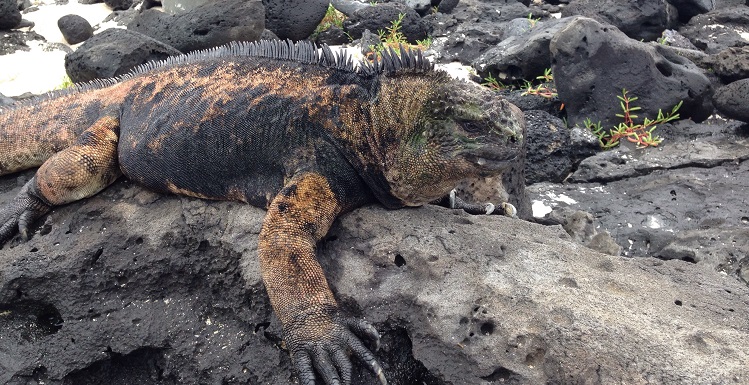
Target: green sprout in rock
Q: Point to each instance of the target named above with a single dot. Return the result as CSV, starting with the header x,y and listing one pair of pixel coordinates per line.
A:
x,y
639,133
332,17
544,89
393,37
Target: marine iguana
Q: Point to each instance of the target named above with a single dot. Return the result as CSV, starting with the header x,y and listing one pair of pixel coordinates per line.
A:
x,y
292,128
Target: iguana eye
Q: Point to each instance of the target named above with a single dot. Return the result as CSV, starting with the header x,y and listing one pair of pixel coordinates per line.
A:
x,y
472,126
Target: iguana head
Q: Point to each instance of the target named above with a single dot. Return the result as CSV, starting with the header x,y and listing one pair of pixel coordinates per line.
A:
x,y
459,130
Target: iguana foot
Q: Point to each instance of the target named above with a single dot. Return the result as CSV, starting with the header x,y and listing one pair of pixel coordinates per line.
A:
x,y
481,208
470,208
21,212
324,345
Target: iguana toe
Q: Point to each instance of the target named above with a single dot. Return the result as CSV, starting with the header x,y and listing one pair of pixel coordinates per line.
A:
x,y
329,356
21,213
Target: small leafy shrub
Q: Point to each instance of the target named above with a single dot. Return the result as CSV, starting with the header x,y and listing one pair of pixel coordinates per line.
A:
x,y
332,18
393,37
638,133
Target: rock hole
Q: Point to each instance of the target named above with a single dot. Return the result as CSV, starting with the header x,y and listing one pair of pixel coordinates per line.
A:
x,y
471,334
203,246
96,256
139,241
261,325
122,280
73,277
46,229
502,375
487,328
463,320
72,340
136,321
688,259
745,220
399,260
664,69
677,303
33,250
731,310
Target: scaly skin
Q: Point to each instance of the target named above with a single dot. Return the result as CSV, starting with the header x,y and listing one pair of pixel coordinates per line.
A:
x,y
278,126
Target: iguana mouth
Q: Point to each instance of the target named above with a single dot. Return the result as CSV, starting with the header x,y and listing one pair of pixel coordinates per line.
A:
x,y
489,160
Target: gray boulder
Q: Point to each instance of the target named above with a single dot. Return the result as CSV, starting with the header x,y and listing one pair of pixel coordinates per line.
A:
x,y
593,62
131,287
522,56
381,16
732,100
732,64
689,8
75,29
718,29
205,26
640,20
554,150
294,19
474,26
10,16
114,52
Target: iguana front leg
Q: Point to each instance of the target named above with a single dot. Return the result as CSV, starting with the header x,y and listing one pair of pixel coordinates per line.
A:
x,y
316,333
78,172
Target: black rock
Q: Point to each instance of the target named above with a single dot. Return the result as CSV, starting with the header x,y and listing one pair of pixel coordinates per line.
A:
x,y
75,29
114,52
294,19
732,100
380,17
119,5
208,25
10,16
593,63
732,64
553,149
523,56
718,29
640,20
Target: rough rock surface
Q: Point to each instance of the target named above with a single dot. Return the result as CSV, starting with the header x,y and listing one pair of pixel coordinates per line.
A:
x,y
133,287
684,200
593,62
718,29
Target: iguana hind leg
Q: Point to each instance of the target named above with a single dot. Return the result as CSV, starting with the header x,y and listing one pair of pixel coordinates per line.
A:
x,y
317,335
80,171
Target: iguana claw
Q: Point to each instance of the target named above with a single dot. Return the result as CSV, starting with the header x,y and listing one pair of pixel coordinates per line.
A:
x,y
21,212
329,355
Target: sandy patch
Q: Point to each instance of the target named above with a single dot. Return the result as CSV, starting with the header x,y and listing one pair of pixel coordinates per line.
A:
x,y
43,68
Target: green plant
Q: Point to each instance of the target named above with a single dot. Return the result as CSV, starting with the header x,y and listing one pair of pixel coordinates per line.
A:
x,y
332,18
66,82
532,21
544,89
639,133
393,37
491,82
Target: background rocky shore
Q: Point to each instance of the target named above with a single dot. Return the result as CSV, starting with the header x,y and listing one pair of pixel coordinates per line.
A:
x,y
635,271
